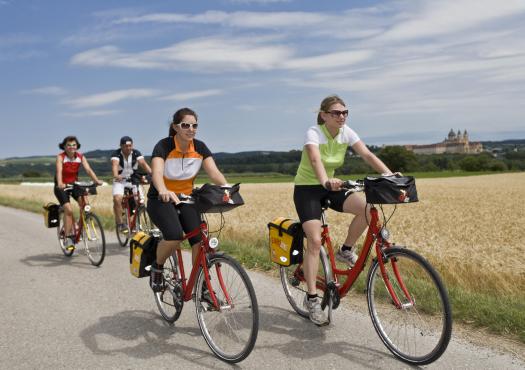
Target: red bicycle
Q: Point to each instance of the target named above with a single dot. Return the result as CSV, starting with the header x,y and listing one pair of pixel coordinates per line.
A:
x,y
407,301
225,301
134,214
88,229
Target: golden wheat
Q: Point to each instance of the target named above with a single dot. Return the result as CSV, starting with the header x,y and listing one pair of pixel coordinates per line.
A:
x,y
468,227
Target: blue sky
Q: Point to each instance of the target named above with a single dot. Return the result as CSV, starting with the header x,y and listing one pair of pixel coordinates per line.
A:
x,y
256,70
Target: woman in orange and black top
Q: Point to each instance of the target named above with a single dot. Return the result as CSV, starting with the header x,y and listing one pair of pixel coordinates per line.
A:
x,y
67,166
175,162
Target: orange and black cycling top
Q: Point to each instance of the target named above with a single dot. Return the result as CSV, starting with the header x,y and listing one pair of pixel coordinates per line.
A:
x,y
70,167
180,168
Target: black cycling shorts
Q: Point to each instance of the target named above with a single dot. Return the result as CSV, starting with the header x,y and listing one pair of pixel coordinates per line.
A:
x,y
63,196
172,223
308,201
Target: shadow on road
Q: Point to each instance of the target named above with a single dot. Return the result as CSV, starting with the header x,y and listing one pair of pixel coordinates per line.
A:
x,y
299,339
78,259
56,260
144,335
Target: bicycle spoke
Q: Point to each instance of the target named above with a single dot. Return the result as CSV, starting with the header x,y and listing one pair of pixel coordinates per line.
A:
x,y
419,330
231,329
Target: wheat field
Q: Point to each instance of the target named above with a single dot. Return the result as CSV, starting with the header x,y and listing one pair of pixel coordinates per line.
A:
x,y
468,227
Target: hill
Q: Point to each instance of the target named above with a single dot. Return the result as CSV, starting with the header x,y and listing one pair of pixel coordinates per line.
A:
x,y
500,156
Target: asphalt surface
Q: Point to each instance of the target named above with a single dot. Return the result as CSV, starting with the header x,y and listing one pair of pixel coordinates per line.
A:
x,y
58,312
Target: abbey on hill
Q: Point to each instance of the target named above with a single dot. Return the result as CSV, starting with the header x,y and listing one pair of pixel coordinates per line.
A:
x,y
454,143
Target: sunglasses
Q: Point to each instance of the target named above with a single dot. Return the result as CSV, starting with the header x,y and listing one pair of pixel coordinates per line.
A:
x,y
337,113
186,125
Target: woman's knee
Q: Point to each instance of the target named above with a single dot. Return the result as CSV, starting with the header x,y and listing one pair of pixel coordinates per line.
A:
x,y
313,244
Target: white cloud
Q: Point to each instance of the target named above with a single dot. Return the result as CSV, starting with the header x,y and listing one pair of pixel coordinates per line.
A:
x,y
193,95
327,61
212,54
434,18
93,113
47,90
219,54
110,97
242,19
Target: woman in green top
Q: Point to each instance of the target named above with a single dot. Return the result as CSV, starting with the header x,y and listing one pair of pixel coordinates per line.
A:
x,y
324,151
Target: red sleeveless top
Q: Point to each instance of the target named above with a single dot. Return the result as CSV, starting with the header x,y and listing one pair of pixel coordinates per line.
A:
x,y
70,167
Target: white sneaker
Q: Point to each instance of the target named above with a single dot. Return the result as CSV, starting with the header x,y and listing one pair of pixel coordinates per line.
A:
x,y
348,256
315,312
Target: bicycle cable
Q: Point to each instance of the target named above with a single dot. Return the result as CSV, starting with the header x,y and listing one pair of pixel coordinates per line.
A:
x,y
386,220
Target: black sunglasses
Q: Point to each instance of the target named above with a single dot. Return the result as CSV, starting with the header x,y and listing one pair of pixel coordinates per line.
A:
x,y
337,113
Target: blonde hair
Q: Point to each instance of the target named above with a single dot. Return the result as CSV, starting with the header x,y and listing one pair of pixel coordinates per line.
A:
x,y
326,104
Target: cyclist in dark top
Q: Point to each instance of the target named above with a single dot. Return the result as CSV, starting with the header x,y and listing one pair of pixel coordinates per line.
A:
x,y
176,160
67,166
124,162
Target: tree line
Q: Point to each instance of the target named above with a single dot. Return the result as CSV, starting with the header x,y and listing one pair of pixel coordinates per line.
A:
x,y
397,158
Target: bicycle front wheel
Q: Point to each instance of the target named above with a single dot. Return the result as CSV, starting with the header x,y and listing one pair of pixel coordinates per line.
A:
x,y
419,330
230,330
61,236
123,232
294,284
94,240
170,299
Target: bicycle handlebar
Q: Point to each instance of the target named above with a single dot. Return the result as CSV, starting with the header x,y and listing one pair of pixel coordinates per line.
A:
x,y
138,178
354,186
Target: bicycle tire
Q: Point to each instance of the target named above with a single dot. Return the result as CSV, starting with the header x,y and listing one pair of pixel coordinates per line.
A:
x,y
170,300
61,236
143,222
94,239
417,333
122,236
230,331
294,285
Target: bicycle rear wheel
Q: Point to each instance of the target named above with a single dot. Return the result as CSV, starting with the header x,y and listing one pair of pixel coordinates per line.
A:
x,y
294,284
230,330
143,221
94,240
170,300
123,234
419,331
61,236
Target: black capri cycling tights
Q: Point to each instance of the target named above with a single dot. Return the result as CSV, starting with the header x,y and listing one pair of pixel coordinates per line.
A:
x,y
172,223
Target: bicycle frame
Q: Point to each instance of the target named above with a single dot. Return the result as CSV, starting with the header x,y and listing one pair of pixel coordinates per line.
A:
x,y
200,261
79,225
373,235
131,218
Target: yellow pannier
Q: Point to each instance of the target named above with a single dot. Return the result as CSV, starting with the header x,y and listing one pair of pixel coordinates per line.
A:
x,y
286,241
142,253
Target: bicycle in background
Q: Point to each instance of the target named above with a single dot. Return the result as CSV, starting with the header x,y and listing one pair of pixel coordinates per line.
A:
x,y
134,214
87,229
407,301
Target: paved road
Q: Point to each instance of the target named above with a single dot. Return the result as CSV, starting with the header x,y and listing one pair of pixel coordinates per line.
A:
x,y
58,312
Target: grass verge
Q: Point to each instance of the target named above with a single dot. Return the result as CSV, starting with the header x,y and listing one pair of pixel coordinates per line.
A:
x,y
504,315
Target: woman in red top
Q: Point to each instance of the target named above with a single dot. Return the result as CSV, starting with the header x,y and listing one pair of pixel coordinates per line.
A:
x,y
67,166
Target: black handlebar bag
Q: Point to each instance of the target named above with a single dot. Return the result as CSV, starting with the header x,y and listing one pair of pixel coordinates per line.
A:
x,y
390,190
216,199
